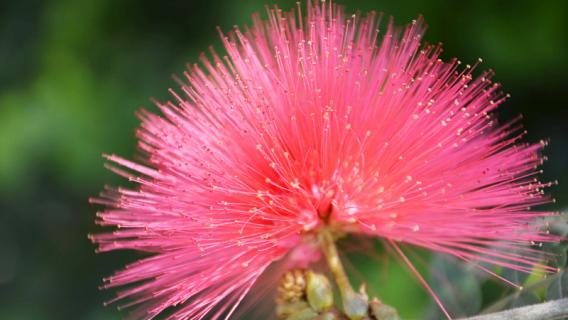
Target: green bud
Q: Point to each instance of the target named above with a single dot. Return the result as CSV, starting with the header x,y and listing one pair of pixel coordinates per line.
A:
x,y
318,291
328,316
382,311
306,314
355,305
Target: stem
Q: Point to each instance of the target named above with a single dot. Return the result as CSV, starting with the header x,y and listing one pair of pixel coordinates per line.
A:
x,y
355,305
333,261
556,309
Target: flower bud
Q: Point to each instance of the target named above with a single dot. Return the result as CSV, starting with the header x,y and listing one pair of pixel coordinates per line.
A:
x,y
355,305
382,311
318,291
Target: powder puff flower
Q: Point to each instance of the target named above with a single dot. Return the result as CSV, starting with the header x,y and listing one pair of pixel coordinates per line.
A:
x,y
323,122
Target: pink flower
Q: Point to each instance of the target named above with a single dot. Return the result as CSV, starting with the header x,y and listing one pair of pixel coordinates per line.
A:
x,y
321,122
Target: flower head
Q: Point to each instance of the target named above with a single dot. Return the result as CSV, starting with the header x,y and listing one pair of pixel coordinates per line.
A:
x,y
326,121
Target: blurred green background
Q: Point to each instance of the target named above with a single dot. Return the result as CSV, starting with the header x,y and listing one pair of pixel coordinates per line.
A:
x,y
72,74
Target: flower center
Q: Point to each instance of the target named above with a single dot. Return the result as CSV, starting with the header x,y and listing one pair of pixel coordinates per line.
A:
x,y
323,202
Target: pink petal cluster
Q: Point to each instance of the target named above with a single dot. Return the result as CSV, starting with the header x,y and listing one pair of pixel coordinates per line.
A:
x,y
310,122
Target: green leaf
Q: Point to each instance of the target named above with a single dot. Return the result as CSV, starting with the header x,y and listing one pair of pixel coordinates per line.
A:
x,y
515,276
456,286
523,298
558,288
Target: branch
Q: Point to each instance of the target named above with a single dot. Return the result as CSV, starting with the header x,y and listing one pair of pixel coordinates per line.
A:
x,y
556,309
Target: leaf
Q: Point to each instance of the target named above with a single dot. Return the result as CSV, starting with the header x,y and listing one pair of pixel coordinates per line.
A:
x,y
456,286
558,226
523,298
515,276
559,250
558,288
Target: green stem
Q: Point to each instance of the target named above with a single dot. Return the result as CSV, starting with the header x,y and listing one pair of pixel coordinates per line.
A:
x,y
355,304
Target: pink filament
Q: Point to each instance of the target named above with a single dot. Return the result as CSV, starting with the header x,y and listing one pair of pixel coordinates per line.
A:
x,y
307,121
